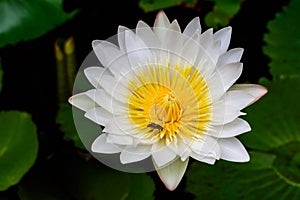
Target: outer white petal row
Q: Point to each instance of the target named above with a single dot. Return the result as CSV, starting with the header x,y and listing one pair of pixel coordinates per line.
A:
x,y
166,44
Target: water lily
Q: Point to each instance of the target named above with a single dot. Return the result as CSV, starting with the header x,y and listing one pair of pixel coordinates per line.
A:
x,y
168,95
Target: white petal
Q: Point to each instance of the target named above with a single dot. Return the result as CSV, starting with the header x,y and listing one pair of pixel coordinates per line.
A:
x,y
82,101
103,99
257,91
138,52
223,114
173,40
93,74
181,149
233,150
172,174
229,73
115,88
231,56
193,27
134,154
101,146
214,51
234,128
113,127
238,99
205,159
105,51
98,115
190,49
161,24
120,125
224,36
174,26
206,58
121,37
119,139
120,67
144,32
162,155
215,86
206,147
206,38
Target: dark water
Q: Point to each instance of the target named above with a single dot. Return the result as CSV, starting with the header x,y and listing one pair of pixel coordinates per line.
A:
x,y
30,76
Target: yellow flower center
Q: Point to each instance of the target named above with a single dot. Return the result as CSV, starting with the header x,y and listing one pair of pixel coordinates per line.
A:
x,y
168,103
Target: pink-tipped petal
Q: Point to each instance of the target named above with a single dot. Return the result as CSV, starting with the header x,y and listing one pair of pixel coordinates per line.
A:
x,y
172,174
257,91
161,20
161,25
82,101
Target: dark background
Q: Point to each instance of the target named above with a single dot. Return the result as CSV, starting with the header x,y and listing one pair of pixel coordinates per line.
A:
x,y
30,76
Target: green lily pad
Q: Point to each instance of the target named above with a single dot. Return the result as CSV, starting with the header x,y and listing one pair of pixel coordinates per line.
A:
x,y
258,179
222,12
153,5
274,118
25,20
18,147
283,42
75,178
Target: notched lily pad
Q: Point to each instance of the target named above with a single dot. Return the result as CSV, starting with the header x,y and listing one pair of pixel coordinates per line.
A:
x,y
283,42
257,179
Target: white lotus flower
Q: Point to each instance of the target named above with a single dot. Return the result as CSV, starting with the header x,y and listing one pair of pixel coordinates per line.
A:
x,y
168,95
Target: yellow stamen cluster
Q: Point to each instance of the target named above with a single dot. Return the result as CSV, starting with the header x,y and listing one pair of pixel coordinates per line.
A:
x,y
169,103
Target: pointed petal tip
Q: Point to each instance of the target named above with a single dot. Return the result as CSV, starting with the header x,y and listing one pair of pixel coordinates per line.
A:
x,y
233,150
95,43
263,89
161,20
171,186
141,23
227,29
258,91
121,28
172,174
70,100
161,13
